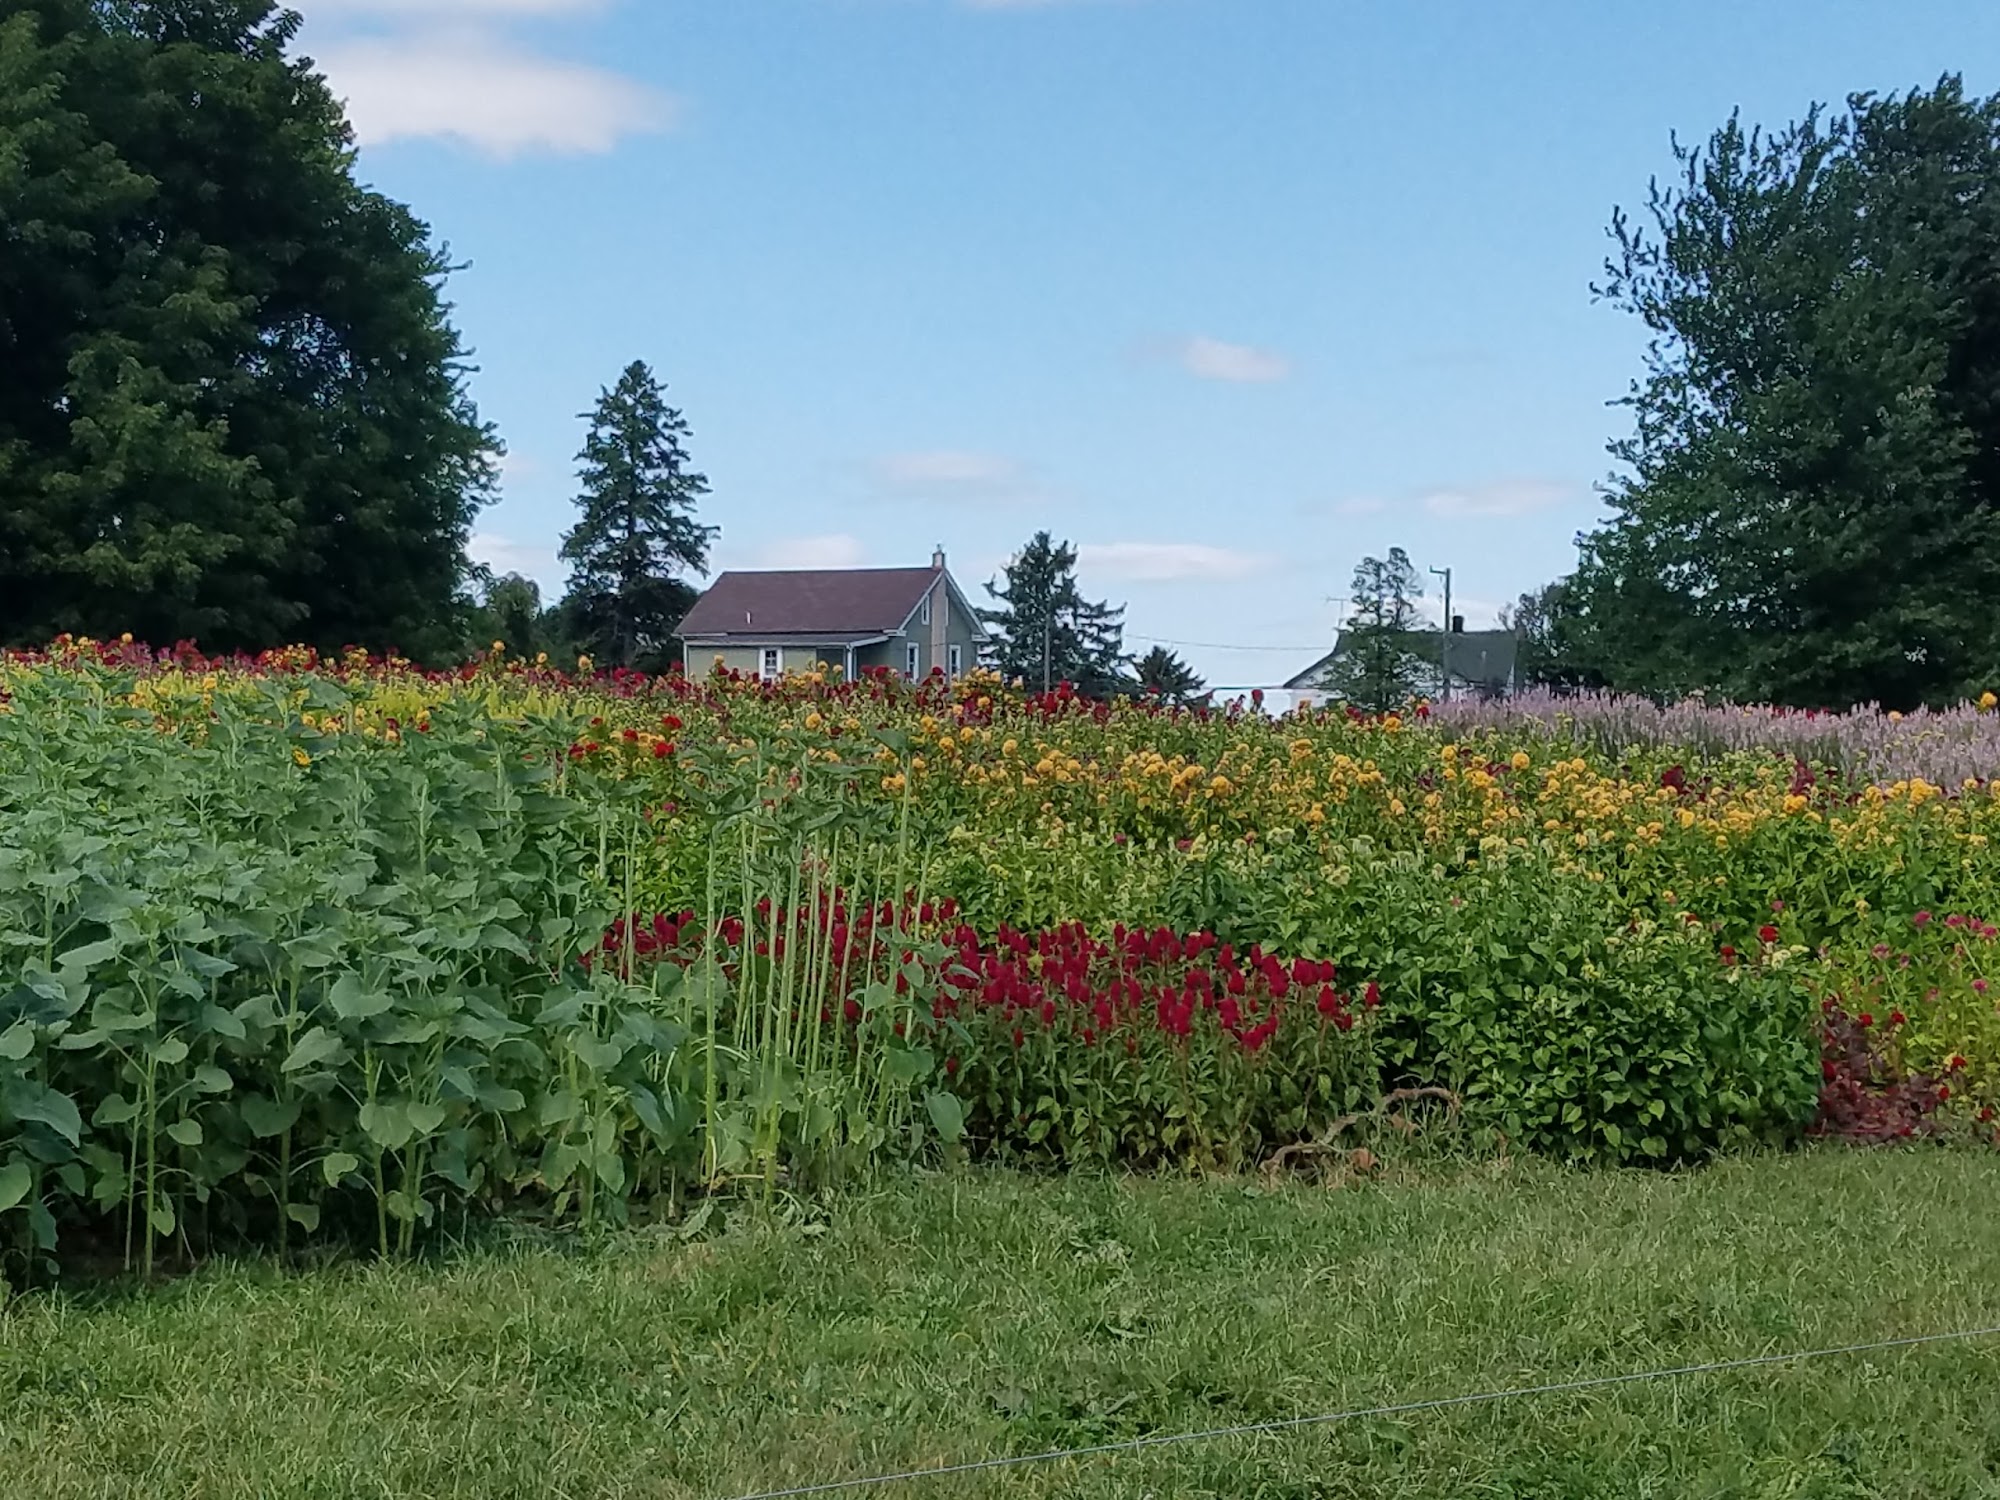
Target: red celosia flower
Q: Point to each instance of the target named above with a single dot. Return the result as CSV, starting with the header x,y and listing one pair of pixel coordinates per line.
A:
x,y
1372,996
1922,919
1897,1018
1767,933
1864,1019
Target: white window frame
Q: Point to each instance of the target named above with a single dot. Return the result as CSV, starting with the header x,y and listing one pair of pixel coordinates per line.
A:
x,y
771,663
956,654
924,611
913,660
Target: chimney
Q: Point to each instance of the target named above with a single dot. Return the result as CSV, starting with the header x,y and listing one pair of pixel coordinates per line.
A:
x,y
937,559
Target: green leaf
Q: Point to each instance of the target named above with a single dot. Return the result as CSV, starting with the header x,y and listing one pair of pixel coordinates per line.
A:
x,y
17,1041
316,1046
305,1215
116,1109
426,1118
87,956
268,1117
170,1051
947,1114
210,1079
352,1002
336,1165
15,1180
185,1132
387,1124
598,1056
46,1106
161,1217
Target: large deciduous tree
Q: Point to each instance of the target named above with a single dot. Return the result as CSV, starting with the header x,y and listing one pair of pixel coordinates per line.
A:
x,y
1807,508
1046,631
636,535
232,405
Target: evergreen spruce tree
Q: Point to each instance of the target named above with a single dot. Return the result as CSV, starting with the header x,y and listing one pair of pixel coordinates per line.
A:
x,y
1048,633
1163,675
1382,663
637,535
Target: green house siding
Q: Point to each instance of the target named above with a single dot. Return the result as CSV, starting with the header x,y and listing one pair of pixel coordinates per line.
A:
x,y
941,631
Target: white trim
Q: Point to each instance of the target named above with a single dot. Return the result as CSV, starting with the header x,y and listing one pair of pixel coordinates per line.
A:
x,y
955,653
771,663
913,660
924,610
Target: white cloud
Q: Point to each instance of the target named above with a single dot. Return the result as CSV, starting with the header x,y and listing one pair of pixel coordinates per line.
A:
x,y
505,555
1240,364
1360,505
1161,562
1507,497
946,468
476,89
836,551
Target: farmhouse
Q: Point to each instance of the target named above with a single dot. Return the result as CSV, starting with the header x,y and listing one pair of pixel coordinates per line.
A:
x,y
910,620
1482,663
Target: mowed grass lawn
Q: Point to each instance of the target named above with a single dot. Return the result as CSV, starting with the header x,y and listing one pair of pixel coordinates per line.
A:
x,y
952,1318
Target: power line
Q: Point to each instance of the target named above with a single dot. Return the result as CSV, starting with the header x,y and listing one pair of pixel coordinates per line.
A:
x,y
1407,1408
1160,640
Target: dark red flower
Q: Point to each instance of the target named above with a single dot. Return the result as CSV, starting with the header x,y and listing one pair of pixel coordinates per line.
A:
x,y
1767,933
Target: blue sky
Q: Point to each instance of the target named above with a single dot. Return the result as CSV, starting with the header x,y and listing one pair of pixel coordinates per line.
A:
x,y
1228,292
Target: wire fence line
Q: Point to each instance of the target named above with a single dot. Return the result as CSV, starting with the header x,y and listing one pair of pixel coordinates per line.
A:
x,y
1328,1419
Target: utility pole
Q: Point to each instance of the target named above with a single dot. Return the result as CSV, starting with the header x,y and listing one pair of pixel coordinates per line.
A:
x,y
1444,639
1048,625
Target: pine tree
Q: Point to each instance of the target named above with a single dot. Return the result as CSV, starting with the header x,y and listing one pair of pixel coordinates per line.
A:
x,y
1382,664
232,405
1164,676
637,534
1048,633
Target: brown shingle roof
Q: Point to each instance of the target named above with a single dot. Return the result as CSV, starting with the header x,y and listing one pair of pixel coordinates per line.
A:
x,y
831,601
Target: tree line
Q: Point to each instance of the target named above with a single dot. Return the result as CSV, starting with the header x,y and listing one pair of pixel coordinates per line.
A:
x,y
234,407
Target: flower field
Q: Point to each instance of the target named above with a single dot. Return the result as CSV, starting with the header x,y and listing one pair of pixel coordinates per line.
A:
x,y
300,948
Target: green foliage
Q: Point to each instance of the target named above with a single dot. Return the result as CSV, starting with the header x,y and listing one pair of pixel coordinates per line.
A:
x,y
1163,675
231,403
1381,665
1047,633
1547,652
1591,1040
636,534
511,612
1807,514
273,976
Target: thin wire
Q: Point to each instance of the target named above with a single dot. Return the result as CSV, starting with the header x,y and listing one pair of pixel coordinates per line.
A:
x,y
1290,1424
1161,640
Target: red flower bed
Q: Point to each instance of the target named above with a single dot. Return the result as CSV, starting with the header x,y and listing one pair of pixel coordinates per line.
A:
x,y
1143,1046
